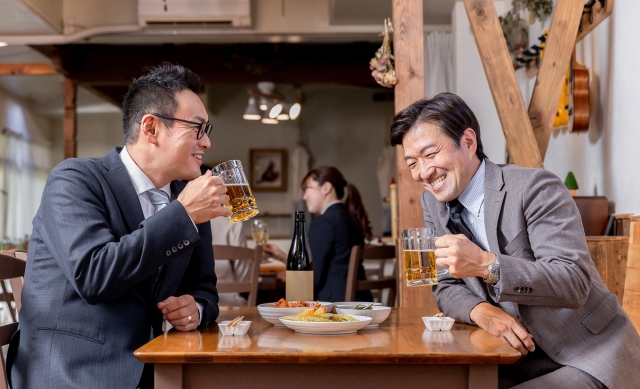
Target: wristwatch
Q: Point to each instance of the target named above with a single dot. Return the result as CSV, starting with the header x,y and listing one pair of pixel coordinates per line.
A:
x,y
494,272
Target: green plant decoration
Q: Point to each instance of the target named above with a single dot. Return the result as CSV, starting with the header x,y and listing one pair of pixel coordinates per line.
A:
x,y
570,182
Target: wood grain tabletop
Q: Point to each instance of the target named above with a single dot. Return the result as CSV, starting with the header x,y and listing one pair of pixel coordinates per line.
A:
x,y
401,339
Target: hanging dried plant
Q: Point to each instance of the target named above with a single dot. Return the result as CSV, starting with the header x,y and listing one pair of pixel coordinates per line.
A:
x,y
382,69
515,29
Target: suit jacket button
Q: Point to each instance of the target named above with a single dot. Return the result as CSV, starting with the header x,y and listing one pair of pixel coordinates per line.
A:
x,y
168,253
186,242
174,249
180,246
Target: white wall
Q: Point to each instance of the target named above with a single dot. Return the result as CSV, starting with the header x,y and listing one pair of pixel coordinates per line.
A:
x,y
471,82
97,134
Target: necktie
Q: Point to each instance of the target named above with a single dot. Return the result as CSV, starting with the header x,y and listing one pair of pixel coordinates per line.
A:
x,y
456,224
159,198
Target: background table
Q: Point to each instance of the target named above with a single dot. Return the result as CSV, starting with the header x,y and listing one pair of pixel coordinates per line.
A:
x,y
401,353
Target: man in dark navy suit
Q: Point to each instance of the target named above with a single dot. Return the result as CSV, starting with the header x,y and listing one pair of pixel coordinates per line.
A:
x,y
120,243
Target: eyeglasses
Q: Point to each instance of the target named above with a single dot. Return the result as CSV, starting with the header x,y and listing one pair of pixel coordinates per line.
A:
x,y
203,128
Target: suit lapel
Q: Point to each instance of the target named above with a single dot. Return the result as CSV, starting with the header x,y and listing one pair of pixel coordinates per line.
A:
x,y
172,272
443,216
493,199
122,188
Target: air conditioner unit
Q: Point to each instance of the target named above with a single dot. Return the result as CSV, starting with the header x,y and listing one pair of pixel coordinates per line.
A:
x,y
233,13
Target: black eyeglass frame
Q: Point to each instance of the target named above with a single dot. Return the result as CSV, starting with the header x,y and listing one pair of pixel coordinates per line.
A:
x,y
203,128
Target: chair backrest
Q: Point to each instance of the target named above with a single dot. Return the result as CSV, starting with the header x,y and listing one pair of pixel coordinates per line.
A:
x,y
381,253
241,253
631,296
12,267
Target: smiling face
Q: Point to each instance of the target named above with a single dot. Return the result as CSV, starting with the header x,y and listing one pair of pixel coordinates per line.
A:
x,y
180,150
434,161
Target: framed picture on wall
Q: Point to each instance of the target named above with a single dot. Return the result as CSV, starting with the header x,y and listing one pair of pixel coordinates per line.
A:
x,y
268,172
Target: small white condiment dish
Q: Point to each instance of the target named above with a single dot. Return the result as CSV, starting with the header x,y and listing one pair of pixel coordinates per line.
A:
x,y
239,329
438,323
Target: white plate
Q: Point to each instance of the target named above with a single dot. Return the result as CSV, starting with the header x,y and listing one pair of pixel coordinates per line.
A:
x,y
272,315
378,314
328,328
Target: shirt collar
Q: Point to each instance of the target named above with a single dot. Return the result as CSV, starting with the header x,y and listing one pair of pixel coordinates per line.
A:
x,y
141,182
328,205
473,196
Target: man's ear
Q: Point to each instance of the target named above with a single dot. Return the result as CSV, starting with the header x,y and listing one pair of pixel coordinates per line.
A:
x,y
149,127
469,140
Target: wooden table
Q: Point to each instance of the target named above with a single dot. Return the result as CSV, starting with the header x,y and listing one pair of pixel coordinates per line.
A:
x,y
401,353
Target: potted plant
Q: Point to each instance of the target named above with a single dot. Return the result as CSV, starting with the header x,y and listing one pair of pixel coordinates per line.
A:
x,y
571,183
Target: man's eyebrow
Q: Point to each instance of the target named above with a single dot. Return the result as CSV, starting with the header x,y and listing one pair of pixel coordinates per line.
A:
x,y
422,150
199,119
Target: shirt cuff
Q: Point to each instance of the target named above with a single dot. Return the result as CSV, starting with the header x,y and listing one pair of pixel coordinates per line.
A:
x,y
196,227
199,312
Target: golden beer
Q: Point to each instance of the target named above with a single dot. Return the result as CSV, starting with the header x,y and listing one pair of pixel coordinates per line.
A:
x,y
241,202
420,266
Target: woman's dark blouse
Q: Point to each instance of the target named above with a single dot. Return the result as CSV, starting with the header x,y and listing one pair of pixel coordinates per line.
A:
x,y
331,237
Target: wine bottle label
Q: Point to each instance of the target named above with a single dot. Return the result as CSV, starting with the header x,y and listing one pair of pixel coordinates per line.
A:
x,y
299,285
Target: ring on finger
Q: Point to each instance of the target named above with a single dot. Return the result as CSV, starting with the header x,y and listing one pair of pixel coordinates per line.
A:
x,y
190,319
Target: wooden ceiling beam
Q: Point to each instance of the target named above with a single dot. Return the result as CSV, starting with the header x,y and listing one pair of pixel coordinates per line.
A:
x,y
27,69
513,115
555,62
239,63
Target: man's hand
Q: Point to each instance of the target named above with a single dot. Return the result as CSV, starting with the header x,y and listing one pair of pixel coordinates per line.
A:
x,y
502,325
204,198
462,257
178,310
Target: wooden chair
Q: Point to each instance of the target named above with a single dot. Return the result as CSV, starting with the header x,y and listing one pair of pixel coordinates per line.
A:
x,y
12,266
380,253
631,296
241,253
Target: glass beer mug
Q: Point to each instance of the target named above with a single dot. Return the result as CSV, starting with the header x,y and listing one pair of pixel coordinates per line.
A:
x,y
418,248
241,201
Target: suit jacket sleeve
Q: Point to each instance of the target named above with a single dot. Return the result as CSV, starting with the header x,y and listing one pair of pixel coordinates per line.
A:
x,y
321,242
559,276
199,278
452,295
77,231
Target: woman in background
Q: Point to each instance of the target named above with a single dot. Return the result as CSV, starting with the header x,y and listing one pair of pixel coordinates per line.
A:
x,y
337,228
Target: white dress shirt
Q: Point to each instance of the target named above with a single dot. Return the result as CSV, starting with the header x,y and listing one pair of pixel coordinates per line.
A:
x,y
142,184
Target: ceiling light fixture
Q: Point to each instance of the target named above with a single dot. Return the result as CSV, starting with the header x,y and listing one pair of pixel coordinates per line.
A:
x,y
275,110
251,112
271,107
294,111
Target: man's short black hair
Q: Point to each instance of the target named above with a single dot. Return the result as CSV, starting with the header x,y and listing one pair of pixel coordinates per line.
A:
x,y
155,93
446,110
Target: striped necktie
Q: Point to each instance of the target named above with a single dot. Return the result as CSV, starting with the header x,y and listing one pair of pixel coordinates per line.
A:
x,y
159,198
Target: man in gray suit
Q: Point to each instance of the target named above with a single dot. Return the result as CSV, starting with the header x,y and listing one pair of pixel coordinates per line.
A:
x,y
519,267
119,243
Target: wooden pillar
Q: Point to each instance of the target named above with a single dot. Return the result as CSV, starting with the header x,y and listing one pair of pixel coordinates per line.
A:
x,y
69,124
505,90
555,62
408,45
